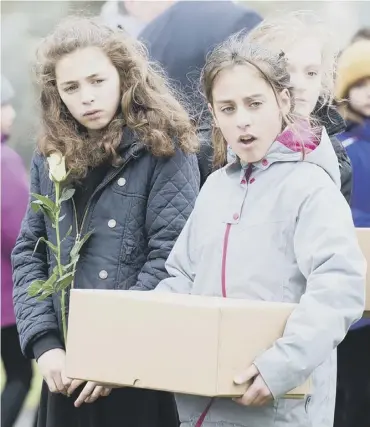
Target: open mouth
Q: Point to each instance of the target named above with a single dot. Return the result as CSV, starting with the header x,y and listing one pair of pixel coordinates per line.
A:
x,y
247,139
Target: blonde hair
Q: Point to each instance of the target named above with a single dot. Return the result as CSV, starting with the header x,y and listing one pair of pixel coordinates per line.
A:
x,y
271,67
281,31
148,105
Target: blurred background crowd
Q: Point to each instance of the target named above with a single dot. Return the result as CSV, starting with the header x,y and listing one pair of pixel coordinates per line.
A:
x,y
24,23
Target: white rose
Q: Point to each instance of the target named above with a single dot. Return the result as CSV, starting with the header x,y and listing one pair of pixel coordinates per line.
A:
x,y
57,167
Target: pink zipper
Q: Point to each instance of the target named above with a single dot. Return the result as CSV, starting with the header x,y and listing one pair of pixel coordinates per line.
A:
x,y
204,414
224,257
223,285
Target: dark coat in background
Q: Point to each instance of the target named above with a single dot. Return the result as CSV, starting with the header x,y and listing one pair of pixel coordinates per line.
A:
x,y
181,37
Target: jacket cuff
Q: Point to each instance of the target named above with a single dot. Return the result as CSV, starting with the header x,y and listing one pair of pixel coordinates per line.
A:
x,y
279,376
46,342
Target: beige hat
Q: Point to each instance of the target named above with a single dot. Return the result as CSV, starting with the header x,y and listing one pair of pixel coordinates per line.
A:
x,y
353,65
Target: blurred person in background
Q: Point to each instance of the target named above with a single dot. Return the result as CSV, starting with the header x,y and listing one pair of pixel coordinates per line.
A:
x,y
311,56
14,199
180,39
361,34
131,15
353,97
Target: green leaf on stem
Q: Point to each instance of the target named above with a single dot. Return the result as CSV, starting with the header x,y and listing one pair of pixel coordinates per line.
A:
x,y
49,284
51,246
68,233
64,281
35,205
46,292
67,194
45,201
47,212
44,295
35,288
68,267
79,243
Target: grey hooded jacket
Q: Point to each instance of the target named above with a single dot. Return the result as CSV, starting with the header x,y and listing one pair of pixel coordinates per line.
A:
x,y
280,232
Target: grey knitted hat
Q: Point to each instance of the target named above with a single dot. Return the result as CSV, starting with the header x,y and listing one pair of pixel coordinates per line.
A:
x,y
7,92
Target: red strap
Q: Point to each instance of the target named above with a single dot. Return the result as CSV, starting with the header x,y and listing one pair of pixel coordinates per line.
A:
x,y
223,283
224,257
204,414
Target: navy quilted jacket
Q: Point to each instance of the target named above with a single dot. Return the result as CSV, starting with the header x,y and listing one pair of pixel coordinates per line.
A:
x,y
136,212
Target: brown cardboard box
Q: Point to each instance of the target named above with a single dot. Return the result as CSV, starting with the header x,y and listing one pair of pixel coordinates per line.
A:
x,y
364,240
181,343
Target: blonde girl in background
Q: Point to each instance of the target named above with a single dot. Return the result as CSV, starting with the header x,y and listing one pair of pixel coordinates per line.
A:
x,y
311,55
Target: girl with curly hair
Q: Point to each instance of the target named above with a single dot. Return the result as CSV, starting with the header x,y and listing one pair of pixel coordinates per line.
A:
x,y
129,149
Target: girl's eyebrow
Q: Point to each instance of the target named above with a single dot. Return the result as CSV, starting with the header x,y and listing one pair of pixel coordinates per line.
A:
x,y
92,76
247,98
314,65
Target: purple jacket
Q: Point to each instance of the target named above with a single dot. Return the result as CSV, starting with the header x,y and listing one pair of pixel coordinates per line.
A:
x,y
14,200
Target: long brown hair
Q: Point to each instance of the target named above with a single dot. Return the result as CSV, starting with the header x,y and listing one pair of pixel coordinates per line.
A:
x,y
149,105
235,51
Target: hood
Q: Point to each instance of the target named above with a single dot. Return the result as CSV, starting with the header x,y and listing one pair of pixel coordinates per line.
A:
x,y
288,148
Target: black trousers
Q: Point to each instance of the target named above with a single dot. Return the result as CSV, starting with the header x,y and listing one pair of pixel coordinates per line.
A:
x,y
18,371
124,407
352,407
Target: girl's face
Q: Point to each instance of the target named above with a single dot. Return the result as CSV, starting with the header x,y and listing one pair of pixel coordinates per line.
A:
x,y
7,119
305,69
247,112
359,97
89,85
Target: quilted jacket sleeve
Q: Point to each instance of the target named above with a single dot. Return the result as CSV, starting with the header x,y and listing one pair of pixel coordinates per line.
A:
x,y
34,318
174,189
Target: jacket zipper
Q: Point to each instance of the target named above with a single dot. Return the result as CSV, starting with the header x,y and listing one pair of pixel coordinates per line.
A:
x,y
248,173
224,258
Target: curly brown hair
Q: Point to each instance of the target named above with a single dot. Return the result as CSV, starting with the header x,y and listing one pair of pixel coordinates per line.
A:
x,y
149,105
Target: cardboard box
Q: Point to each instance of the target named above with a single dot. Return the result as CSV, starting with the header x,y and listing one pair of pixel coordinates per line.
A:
x,y
364,240
181,343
